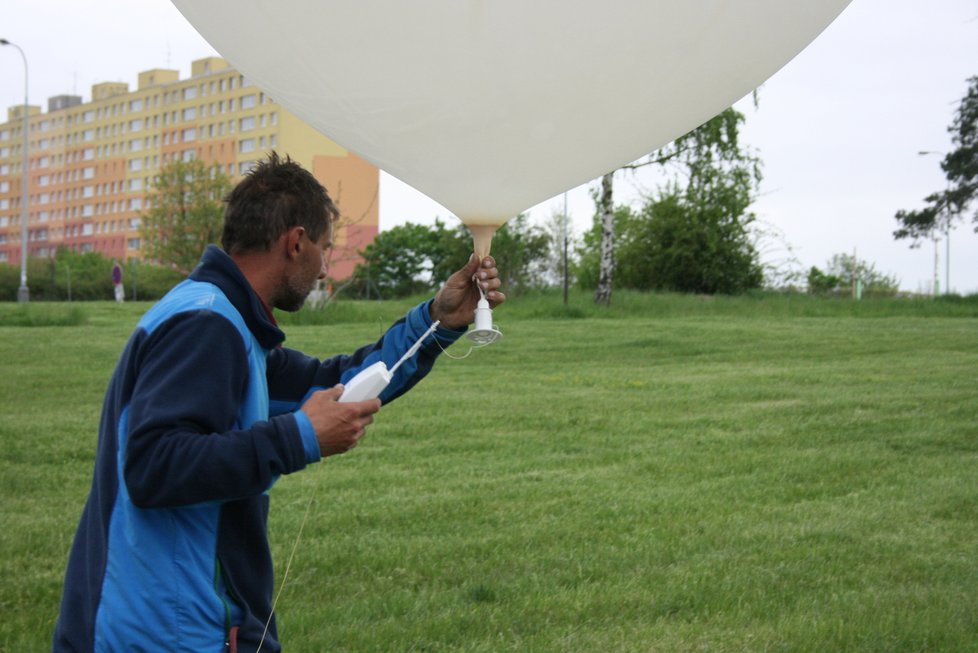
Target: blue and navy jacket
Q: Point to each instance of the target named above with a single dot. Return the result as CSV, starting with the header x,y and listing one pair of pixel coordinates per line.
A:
x,y
201,416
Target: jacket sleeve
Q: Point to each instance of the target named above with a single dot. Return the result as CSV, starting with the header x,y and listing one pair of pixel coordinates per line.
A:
x,y
293,376
183,444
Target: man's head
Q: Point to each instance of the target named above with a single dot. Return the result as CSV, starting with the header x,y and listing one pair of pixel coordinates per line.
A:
x,y
280,208
273,197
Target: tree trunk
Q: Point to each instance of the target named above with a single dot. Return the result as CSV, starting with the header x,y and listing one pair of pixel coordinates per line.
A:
x,y
602,295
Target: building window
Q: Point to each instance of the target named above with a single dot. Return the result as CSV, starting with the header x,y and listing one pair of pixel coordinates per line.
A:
x,y
248,101
135,145
246,145
247,123
135,164
136,125
133,243
136,105
190,113
189,135
190,93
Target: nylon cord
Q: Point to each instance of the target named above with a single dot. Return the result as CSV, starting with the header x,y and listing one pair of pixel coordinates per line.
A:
x,y
285,576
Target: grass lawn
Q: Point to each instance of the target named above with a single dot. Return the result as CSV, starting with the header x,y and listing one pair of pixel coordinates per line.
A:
x,y
675,474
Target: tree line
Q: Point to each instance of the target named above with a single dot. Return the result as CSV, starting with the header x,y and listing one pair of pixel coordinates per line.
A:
x,y
693,234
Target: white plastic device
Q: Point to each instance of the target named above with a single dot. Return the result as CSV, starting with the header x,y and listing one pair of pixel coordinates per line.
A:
x,y
483,333
369,382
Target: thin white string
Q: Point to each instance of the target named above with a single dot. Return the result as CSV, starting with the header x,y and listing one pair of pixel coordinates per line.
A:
x,y
472,348
285,576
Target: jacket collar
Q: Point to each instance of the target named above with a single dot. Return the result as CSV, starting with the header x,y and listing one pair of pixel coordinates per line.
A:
x,y
218,268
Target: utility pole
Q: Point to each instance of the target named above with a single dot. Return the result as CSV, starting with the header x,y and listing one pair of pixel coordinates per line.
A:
x,y
947,235
23,293
565,221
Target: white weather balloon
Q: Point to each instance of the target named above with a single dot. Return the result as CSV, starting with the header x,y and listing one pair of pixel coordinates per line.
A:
x,y
492,106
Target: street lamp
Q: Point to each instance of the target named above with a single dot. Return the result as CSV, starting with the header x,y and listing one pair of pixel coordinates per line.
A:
x,y
947,232
23,293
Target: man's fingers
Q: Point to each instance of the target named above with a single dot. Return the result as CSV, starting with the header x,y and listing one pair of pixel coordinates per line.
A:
x,y
368,407
335,392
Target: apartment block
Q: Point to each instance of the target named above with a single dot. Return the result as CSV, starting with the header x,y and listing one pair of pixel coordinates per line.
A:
x,y
91,165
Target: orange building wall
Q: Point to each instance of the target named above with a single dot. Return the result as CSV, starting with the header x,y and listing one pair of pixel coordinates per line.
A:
x,y
354,186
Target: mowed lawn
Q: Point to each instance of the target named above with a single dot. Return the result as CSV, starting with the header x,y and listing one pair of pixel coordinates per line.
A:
x,y
671,477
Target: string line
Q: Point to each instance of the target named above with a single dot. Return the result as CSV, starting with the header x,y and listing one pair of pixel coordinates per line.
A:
x,y
285,576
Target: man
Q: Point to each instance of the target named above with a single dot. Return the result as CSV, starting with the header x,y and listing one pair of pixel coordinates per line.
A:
x,y
206,410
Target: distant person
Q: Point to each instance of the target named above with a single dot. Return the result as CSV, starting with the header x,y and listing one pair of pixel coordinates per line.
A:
x,y
206,409
120,292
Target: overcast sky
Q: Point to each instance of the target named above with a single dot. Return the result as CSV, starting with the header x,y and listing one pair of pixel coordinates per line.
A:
x,y
838,129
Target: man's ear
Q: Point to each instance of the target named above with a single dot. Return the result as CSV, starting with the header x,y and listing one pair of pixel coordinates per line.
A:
x,y
293,241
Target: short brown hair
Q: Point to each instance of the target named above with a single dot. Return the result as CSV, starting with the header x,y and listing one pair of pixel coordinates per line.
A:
x,y
273,197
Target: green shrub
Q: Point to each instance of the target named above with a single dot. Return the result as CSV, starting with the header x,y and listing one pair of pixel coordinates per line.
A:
x,y
73,276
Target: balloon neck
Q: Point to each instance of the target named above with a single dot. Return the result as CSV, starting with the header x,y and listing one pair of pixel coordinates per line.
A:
x,y
482,238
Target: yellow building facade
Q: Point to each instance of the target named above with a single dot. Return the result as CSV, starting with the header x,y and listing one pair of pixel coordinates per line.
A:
x,y
92,164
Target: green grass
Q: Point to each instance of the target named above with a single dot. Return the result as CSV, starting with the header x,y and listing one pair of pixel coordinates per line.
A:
x,y
676,474
39,315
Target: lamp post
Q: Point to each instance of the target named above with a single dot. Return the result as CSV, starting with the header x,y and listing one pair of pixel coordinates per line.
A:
x,y
564,229
947,234
23,293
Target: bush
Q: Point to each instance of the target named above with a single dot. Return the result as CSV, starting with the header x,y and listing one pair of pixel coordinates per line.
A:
x,y
70,275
